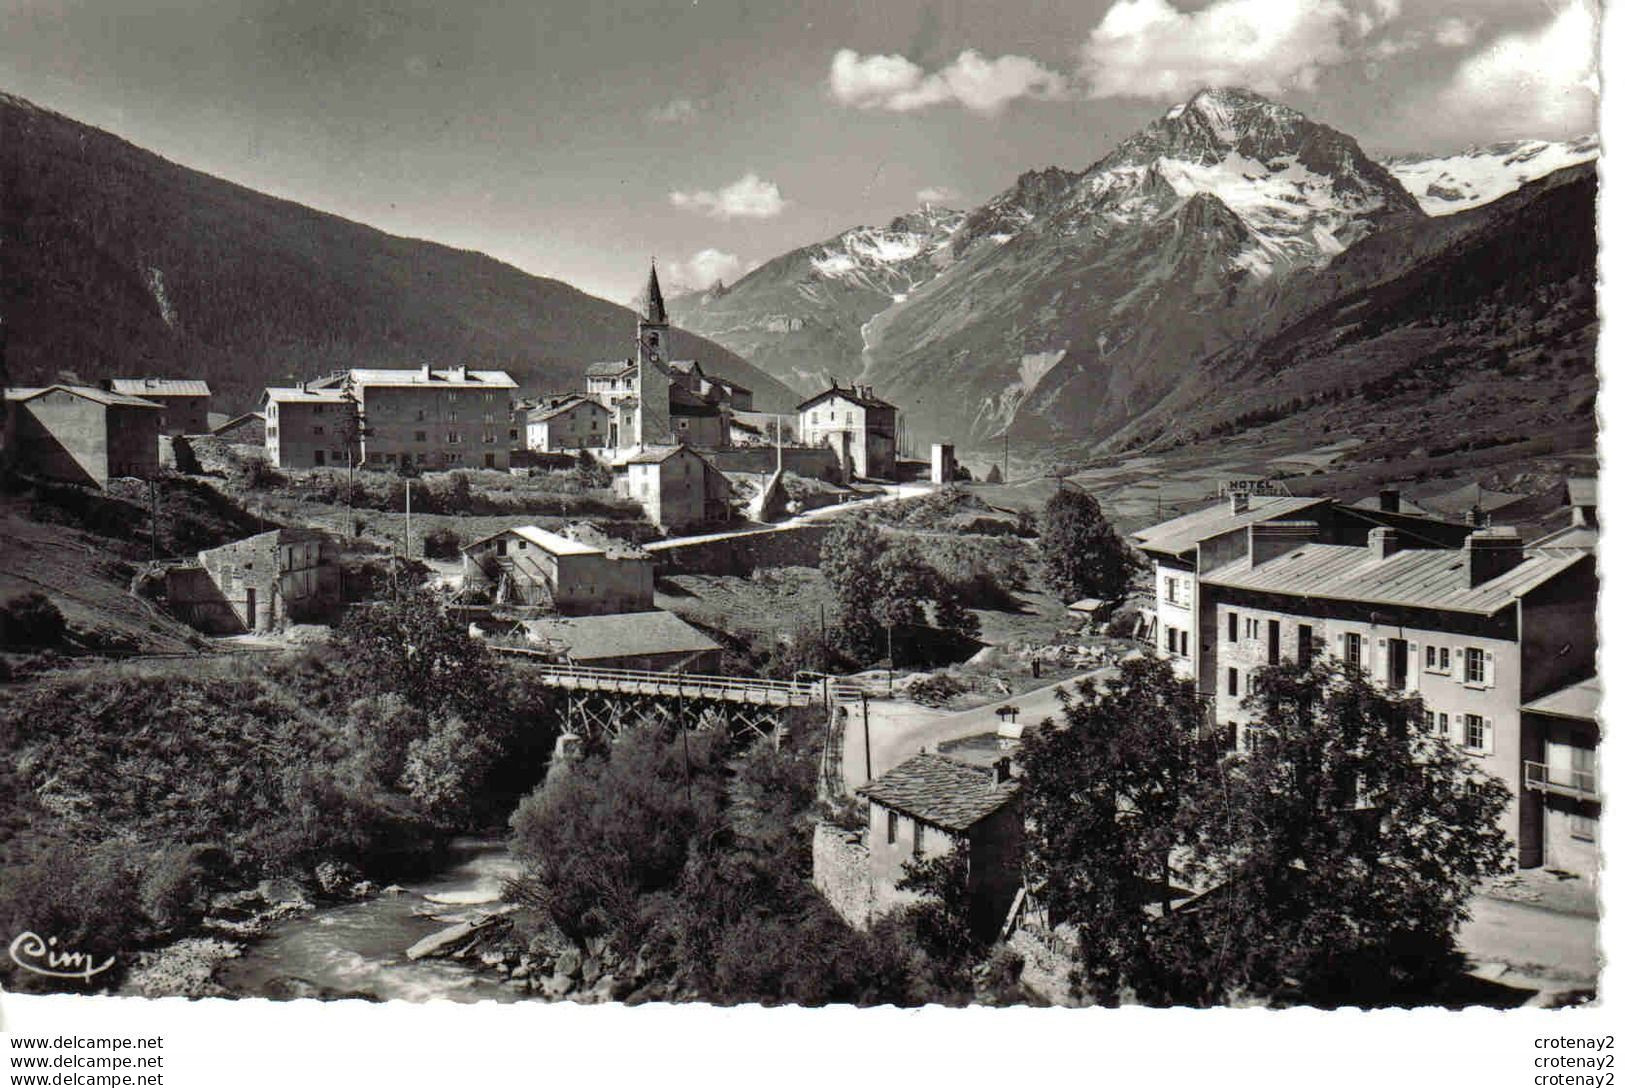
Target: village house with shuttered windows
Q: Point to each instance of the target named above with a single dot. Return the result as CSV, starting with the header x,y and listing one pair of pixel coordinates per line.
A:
x,y
1474,632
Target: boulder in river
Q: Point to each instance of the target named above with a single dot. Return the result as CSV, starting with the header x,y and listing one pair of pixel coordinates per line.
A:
x,y
441,942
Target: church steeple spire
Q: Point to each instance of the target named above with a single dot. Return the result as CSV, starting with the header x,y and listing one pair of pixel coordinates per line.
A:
x,y
654,306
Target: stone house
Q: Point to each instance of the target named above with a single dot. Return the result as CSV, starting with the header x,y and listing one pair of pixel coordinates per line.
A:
x,y
860,426
257,584
81,434
572,422
927,807
185,401
528,565
1475,633
676,486
247,429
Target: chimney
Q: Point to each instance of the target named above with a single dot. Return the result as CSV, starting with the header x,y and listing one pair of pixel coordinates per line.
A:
x,y
1491,553
459,373
1382,543
1239,502
1001,771
425,373
1474,516
1388,500
1268,540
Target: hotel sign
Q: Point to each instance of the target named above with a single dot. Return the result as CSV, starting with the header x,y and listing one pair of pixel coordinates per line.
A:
x,y
1252,487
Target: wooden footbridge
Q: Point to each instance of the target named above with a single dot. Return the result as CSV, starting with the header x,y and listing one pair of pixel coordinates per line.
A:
x,y
604,702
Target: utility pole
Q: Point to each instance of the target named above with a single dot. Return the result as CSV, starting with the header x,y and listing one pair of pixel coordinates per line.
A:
x,y
889,662
407,541
868,765
1007,455
152,490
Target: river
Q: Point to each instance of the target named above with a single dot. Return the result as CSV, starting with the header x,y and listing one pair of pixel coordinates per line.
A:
x,y
359,949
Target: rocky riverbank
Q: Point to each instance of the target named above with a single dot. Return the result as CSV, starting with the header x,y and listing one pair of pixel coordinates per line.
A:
x,y
187,966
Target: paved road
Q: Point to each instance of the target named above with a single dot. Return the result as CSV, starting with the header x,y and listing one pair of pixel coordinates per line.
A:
x,y
898,728
1546,948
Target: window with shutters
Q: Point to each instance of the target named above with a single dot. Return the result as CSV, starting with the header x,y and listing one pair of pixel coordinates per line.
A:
x,y
1437,659
1475,732
1475,671
1351,649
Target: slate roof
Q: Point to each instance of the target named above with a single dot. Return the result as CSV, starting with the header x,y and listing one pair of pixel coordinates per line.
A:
x,y
624,634
539,414
941,791
1406,506
1181,534
161,387
654,455
89,392
1575,701
850,394
1418,578
235,421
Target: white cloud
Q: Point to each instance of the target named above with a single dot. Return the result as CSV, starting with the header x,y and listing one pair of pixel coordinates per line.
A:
x,y
1151,49
936,194
1454,33
678,111
750,197
893,82
1537,83
705,268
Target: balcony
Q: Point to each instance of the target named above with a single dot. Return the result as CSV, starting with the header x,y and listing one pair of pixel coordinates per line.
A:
x,y
1581,785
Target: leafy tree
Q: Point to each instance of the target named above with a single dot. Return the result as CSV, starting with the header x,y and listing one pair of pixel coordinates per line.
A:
x,y
1111,794
1082,554
1349,843
850,562
411,646
31,619
940,921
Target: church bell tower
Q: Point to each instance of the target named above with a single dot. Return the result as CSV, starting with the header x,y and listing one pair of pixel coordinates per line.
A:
x,y
654,373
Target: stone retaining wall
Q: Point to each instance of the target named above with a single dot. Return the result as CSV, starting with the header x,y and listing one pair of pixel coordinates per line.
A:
x,y
741,553
841,873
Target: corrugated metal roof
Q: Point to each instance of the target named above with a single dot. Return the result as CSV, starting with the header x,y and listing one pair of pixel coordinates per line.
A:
x,y
1419,578
1183,533
625,634
162,387
1575,701
941,791
1570,537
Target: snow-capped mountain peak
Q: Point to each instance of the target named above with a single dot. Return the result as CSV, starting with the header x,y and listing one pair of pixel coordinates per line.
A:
x,y
1443,184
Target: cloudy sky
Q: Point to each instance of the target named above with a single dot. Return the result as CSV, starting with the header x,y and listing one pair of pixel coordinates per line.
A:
x,y
578,139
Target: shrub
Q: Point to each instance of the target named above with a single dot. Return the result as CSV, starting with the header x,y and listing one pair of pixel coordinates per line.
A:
x,y
936,689
31,619
442,543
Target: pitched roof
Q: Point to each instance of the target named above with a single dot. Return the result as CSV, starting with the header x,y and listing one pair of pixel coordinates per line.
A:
x,y
161,387
1183,533
550,542
941,791
1418,578
1569,538
1464,498
89,392
236,421
540,413
453,376
1582,490
1578,700
654,455
285,394
622,634
654,306
610,368
850,394
1406,506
